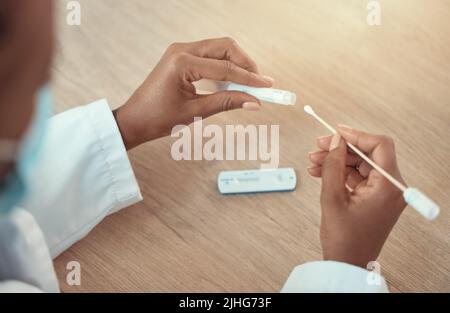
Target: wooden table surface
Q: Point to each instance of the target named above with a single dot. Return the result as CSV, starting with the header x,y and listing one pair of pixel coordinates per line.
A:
x,y
391,79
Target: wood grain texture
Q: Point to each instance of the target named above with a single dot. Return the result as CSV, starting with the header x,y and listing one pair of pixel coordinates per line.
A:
x,y
392,79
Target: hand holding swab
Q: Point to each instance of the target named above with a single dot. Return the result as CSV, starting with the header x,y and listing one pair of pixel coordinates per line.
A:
x,y
414,197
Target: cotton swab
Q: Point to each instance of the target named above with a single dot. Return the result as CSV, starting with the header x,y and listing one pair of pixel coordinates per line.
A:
x,y
414,197
399,185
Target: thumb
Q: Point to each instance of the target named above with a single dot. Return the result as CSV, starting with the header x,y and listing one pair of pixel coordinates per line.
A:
x,y
334,192
206,105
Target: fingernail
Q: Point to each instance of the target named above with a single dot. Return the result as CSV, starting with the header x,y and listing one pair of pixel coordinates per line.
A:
x,y
348,132
310,169
267,78
335,142
251,106
323,139
344,127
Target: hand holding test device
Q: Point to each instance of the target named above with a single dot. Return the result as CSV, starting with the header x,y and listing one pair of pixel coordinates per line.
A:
x,y
272,95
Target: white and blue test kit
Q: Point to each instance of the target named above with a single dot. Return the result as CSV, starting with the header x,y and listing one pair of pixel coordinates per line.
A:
x,y
255,181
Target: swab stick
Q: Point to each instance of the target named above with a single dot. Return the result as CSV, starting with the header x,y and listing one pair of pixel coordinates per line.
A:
x,y
414,197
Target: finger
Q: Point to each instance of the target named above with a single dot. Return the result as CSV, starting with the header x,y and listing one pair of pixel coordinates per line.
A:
x,y
352,160
223,70
323,143
318,157
364,169
353,178
315,171
207,105
364,141
224,49
334,194
380,148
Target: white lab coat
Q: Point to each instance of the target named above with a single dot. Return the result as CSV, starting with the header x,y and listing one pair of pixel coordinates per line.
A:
x,y
84,175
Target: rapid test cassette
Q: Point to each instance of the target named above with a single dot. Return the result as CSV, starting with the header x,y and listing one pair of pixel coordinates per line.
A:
x,y
255,181
272,95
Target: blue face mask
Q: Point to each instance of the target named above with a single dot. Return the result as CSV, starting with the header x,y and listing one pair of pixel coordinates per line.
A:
x,y
15,186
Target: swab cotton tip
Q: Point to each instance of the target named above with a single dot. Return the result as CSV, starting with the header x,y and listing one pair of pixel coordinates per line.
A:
x,y
419,201
308,109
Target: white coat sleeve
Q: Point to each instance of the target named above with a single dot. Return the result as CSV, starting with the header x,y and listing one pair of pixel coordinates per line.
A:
x,y
13,286
83,175
331,276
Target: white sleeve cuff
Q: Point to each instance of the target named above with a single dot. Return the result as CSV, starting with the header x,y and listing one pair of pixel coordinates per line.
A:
x,y
84,175
112,149
331,276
